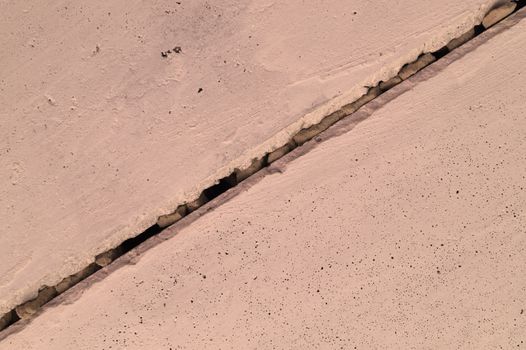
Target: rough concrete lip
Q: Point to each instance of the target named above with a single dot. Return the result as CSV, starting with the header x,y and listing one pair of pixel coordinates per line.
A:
x,y
279,166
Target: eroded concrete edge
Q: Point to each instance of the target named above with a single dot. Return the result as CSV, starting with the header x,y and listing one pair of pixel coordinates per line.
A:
x,y
332,125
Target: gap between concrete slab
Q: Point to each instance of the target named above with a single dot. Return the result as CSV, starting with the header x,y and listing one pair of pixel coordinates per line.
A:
x,y
348,116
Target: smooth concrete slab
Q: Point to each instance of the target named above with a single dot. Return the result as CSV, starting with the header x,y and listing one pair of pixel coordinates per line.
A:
x,y
403,231
115,112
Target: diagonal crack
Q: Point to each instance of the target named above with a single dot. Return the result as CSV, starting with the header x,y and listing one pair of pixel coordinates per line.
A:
x,y
352,113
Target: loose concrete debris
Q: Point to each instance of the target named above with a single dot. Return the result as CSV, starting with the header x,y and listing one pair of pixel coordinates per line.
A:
x,y
106,258
195,204
31,307
306,134
70,281
412,68
498,14
256,165
167,220
453,44
371,94
386,85
47,293
280,152
6,320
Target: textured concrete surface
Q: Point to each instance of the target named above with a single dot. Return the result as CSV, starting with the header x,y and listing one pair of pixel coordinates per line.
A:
x,y
113,113
403,231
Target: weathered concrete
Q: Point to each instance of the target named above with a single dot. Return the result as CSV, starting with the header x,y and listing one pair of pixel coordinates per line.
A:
x,y
498,14
101,136
405,231
29,308
453,44
411,68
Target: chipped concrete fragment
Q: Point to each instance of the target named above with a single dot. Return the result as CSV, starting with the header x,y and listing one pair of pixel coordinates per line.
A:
x,y
70,281
274,97
386,85
106,258
411,68
280,152
256,165
193,205
306,134
167,220
498,14
369,96
31,307
461,40
6,320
